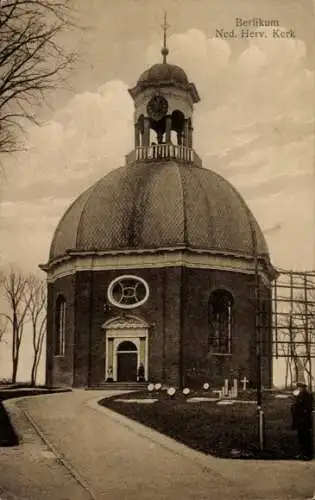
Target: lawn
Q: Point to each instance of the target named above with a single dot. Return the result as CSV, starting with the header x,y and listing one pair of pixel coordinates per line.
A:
x,y
7,434
222,431
7,391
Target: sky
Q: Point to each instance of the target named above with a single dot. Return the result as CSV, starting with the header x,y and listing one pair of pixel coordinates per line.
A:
x,y
254,124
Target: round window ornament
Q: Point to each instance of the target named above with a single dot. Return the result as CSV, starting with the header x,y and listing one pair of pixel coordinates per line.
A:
x,y
206,386
128,292
151,387
158,386
186,391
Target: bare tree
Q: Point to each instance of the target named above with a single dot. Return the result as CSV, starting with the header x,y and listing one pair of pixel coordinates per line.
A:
x,y
304,342
37,303
3,327
287,338
298,339
32,60
14,287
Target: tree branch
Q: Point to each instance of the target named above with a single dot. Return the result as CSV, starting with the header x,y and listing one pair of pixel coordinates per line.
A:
x,y
32,60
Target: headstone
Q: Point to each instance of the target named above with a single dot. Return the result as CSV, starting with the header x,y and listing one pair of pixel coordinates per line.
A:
x,y
225,402
226,387
201,399
244,382
137,401
244,402
235,388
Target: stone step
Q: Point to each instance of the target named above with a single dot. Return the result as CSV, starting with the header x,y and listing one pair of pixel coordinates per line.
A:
x,y
119,386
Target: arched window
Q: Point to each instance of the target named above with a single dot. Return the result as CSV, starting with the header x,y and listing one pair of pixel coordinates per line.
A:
x,y
178,124
220,322
60,326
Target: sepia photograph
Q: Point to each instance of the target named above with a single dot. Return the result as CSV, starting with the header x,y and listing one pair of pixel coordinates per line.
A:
x,y
157,249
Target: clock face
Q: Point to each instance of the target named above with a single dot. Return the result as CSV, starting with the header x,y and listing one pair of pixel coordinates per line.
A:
x,y
157,107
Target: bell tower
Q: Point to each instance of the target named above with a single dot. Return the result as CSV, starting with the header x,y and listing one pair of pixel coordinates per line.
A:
x,y
163,117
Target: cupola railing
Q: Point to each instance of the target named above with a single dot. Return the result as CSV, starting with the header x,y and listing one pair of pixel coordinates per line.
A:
x,y
158,152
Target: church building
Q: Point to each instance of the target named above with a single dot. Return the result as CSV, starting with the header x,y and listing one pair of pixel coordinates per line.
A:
x,y
153,270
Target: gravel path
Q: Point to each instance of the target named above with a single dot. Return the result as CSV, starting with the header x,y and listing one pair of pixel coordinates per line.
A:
x,y
31,471
119,459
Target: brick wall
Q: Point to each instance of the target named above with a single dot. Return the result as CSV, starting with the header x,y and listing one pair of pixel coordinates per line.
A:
x,y
59,369
200,364
161,311
86,295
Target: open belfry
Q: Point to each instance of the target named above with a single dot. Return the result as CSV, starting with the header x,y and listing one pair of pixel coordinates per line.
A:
x,y
153,270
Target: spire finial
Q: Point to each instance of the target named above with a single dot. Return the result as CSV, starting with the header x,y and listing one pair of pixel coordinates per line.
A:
x,y
165,26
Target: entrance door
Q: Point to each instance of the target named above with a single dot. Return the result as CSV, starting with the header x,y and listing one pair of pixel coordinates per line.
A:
x,y
127,362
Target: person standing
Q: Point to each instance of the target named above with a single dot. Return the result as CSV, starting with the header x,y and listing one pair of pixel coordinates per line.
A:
x,y
141,377
301,410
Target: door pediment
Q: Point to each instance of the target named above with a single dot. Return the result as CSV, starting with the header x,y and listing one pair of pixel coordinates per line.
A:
x,y
125,323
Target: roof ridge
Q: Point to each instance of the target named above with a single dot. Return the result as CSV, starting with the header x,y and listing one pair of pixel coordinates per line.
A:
x,y
183,203
75,201
253,224
91,190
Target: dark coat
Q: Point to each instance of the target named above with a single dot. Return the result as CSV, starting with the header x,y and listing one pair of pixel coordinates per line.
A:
x,y
301,410
141,373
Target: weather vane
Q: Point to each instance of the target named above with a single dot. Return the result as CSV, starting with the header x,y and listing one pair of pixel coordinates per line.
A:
x,y
165,26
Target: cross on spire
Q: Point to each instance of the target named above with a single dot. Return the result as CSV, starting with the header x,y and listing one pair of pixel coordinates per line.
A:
x,y
165,50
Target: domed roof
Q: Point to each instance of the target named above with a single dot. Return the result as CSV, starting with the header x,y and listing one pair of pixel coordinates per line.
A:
x,y
163,72
164,205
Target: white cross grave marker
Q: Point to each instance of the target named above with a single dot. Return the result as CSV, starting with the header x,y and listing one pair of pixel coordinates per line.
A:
x,y
244,382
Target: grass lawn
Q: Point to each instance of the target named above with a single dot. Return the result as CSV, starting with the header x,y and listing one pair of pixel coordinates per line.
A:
x,y
223,431
7,434
8,391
